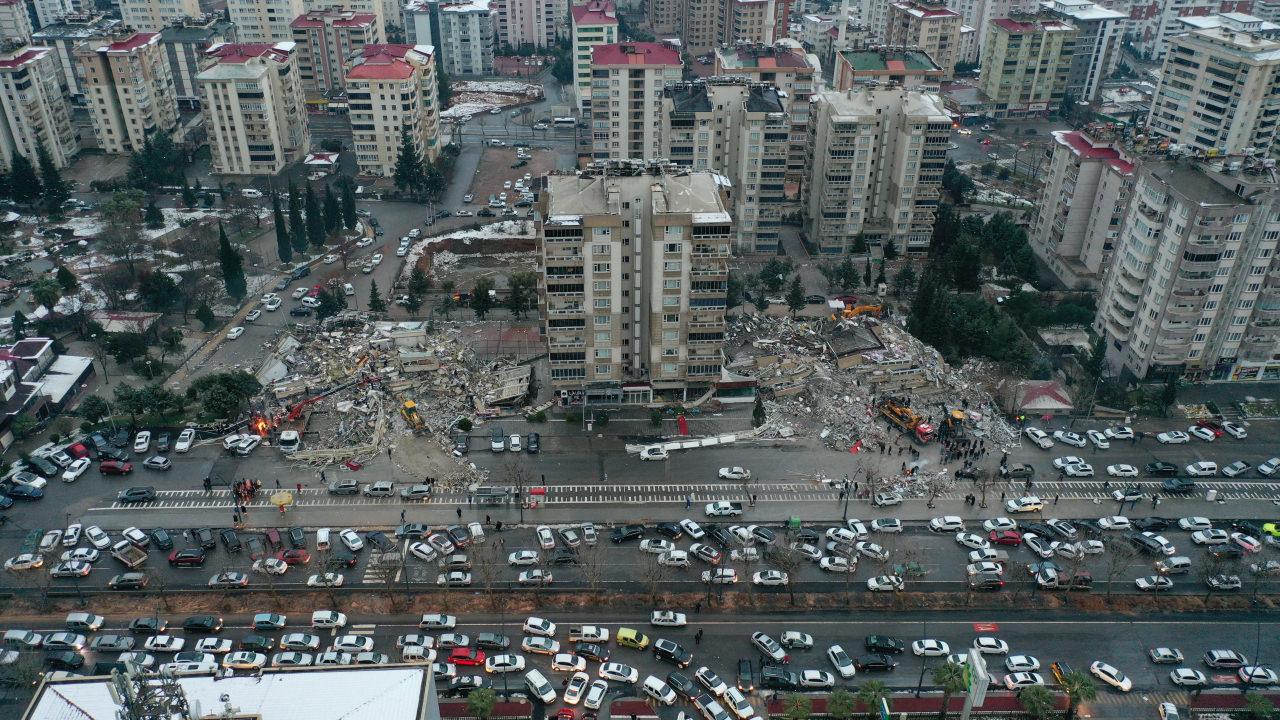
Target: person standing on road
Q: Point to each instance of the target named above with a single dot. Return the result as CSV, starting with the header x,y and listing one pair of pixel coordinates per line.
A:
x,y
697,637
459,511
402,517
688,501
1055,499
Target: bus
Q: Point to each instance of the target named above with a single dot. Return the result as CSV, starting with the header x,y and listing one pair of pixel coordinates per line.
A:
x,y
564,122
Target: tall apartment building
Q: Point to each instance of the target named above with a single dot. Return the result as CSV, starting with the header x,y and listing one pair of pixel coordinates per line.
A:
x,y
797,75
978,14
392,92
468,32
1219,87
1026,65
634,269
626,98
254,108
752,21
929,26
1097,46
595,23
325,39
1153,23
129,87
1194,287
1086,189
376,8
15,23
64,37
703,26
667,17
185,43
738,130
33,109
908,68
264,21
154,15
528,23
876,161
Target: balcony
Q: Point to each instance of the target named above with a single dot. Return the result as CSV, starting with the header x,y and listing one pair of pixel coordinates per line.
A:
x,y
1183,311
1176,325
1150,213
1173,342
1127,283
1128,303
1166,358
570,311
1267,312
565,343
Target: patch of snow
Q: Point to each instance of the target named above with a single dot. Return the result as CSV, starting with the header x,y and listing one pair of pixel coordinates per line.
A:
x,y
493,231
508,87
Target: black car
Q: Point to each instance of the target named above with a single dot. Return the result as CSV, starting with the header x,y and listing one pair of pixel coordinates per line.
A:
x,y
138,494
379,540
1037,528
493,641
592,651
1145,543
1160,468
111,453
963,474
1152,524
99,441
43,467
815,299
163,442
884,644
128,581
746,675
413,531
463,686
682,684
1178,486
24,492
986,581
300,311
533,443
668,651
1247,528
1021,470
148,625
231,541
297,538
562,556
339,558
121,437
1226,552
721,536
204,538
776,677
202,624
283,284
626,532
808,536
257,643
461,444
162,539
669,530
762,534
300,271
874,662
65,660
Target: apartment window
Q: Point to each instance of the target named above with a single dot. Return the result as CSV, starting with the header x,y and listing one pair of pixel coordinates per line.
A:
x,y
1239,320
603,319
604,353
671,301
600,267
1257,269
671,319
1205,322
1193,354
1234,337
1215,288
1210,304
669,368
673,284
603,338
601,303
599,249
1199,337
671,248
1253,287
604,369
670,352
671,266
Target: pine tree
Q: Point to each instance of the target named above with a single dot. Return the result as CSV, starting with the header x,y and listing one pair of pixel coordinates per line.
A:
x,y
66,279
205,315
332,216
232,265
889,249
153,218
282,230
56,190
188,195
376,303
348,204
408,171
315,218
866,276
795,295
26,183
297,227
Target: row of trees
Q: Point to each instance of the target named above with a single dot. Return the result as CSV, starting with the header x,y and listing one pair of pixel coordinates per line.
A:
x,y
39,184
521,298
414,175
311,220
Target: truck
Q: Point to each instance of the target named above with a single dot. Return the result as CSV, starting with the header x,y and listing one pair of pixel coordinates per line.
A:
x,y
724,508
588,633
411,417
906,419
131,555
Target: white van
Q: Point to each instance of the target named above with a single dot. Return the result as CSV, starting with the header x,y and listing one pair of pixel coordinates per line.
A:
x,y
477,532
658,690
1177,565
541,689
322,539
417,654
348,289
328,619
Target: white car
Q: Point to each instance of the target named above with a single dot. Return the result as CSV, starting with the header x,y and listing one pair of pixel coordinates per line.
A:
x,y
1021,663
886,525
1029,503
1062,462
837,564
1153,583
692,529
654,452
720,576
76,469
734,473
71,537
1122,471
816,679
351,539
871,550
504,663
423,551
674,558
1186,677
1099,439
25,561
299,293
710,681
576,687
546,538
539,627
999,524
1256,675
540,645
930,648
1110,676
325,580
164,643
85,555
972,541
300,641
1016,681
142,442
1114,522
535,577
948,523
595,695
1248,543
667,618
618,672
97,537
214,645
1239,467
330,259
352,643
1121,432
568,662
1195,523
1039,437
186,439
1173,437
1204,468
232,334
1269,468
987,645
244,660
1079,470
657,546
1211,536
1203,433
1067,437
523,557
770,578
255,313
841,661
885,583
1235,430
454,578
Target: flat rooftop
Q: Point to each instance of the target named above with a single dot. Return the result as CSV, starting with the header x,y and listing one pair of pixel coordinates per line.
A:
x,y
896,61
1193,184
572,195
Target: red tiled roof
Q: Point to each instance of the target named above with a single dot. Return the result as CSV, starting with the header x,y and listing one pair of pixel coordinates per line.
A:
x,y
382,62
635,53
23,57
339,18
134,42
234,53
1081,145
595,12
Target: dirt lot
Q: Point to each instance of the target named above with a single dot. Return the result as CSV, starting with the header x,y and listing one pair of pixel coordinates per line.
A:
x,y
495,168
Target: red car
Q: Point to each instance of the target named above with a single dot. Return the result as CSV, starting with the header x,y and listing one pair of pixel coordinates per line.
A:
x,y
294,557
466,656
315,291
1005,537
847,299
115,467
565,714
187,557
1211,426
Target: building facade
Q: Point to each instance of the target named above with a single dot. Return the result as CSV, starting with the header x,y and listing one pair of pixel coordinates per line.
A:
x,y
254,107
15,22
1026,65
1219,91
595,23
468,31
392,95
1097,45
928,26
185,43
528,23
667,17
325,40
626,98
1194,288
33,109
1086,189
264,21
129,88
155,15
634,267
876,161
1152,23
64,37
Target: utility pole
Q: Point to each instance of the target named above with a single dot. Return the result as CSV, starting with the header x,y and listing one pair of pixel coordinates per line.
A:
x,y
143,695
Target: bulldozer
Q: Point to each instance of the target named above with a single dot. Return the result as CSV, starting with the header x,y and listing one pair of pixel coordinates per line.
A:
x,y
853,311
907,419
410,413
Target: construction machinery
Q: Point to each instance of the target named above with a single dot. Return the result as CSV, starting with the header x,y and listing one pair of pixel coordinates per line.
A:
x,y
906,419
409,410
853,311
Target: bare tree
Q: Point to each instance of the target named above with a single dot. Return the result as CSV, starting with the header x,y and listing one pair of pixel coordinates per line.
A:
x,y
1120,556
655,576
487,566
986,480
592,566
788,561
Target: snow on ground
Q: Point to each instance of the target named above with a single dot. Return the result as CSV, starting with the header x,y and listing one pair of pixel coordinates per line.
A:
x,y
507,87
466,110
493,231
89,226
